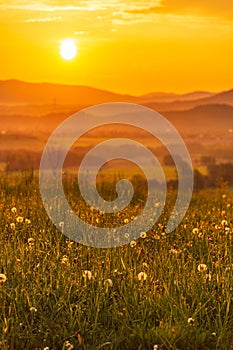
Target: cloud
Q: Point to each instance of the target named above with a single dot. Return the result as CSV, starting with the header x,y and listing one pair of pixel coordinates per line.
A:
x,y
223,8
43,7
43,20
146,11
81,5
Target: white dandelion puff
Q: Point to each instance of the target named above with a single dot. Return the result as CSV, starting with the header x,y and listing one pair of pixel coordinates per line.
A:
x,y
142,276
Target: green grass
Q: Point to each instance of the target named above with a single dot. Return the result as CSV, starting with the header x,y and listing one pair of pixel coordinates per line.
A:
x,y
48,302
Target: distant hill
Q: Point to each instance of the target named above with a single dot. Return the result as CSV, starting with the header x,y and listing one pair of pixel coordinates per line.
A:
x,y
15,92
40,99
179,105
206,118
169,97
202,119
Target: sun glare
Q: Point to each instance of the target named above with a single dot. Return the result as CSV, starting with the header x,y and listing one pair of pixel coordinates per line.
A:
x,y
68,49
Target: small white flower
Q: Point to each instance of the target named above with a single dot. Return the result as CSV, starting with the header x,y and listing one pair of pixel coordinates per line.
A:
x,y
195,230
14,210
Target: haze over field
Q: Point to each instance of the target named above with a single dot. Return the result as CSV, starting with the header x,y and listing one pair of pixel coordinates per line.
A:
x,y
30,112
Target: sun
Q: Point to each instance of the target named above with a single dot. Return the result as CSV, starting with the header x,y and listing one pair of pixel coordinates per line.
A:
x,y
68,49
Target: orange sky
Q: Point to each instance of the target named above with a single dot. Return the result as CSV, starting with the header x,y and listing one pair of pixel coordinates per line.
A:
x,y
125,46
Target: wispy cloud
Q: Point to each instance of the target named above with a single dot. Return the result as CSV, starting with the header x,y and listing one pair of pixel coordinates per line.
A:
x,y
44,7
83,5
223,8
43,20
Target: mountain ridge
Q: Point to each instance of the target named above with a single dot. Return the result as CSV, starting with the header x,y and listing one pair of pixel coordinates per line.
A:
x,y
17,92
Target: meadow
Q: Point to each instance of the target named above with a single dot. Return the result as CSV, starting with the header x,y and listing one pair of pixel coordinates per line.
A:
x,y
163,291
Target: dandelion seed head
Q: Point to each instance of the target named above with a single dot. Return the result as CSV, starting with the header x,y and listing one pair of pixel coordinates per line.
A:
x,y
87,274
224,223
142,276
64,259
2,278
145,265
108,282
19,219
133,244
173,251
33,309
202,267
30,240
68,345
143,235
191,320
195,230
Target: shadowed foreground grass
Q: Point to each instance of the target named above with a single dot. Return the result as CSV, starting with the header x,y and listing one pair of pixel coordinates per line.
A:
x,y
173,291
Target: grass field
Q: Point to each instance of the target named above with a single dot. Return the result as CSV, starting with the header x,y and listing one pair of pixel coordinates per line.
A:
x,y
164,291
